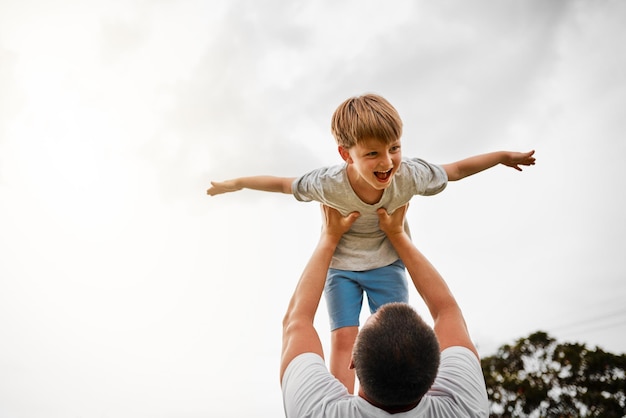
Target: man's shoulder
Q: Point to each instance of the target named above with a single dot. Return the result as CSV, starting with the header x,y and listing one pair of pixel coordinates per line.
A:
x,y
302,367
461,358
310,389
461,381
460,351
305,359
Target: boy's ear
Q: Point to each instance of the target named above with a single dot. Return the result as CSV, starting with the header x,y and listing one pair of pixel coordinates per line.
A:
x,y
345,154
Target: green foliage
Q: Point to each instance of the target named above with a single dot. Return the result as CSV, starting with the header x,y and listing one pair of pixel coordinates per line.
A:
x,y
539,377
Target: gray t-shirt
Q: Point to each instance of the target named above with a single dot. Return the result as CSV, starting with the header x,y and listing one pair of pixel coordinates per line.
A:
x,y
365,246
309,390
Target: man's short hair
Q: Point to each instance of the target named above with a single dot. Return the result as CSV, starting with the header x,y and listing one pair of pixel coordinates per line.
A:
x,y
396,357
365,117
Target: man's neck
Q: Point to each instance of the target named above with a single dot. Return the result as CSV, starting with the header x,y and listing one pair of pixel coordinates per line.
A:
x,y
388,409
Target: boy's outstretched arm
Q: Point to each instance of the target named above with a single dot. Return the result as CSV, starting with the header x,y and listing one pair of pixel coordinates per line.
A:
x,y
262,183
472,165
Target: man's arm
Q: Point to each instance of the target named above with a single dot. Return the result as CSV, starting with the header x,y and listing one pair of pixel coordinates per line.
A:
x,y
472,165
262,183
299,335
450,326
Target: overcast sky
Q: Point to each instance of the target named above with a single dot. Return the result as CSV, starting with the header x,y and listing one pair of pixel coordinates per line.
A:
x,y
125,291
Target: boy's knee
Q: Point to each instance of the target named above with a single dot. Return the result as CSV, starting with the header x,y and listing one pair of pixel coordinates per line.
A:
x,y
343,338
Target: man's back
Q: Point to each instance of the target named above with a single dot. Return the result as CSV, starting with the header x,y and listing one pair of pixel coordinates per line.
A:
x,y
459,390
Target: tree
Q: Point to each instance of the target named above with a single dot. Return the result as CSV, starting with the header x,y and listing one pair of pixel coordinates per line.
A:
x,y
539,377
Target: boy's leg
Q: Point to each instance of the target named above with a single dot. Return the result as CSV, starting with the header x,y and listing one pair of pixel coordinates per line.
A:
x,y
344,298
341,342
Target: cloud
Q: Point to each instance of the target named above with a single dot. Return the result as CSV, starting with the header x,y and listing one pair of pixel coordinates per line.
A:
x,y
114,118
10,102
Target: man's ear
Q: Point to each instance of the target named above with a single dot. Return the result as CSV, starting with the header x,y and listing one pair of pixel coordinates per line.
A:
x,y
351,363
345,154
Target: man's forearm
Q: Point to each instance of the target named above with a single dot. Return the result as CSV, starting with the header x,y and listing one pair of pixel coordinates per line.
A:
x,y
449,325
299,335
309,290
428,282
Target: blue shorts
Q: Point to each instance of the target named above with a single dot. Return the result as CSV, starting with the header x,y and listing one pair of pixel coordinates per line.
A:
x,y
344,292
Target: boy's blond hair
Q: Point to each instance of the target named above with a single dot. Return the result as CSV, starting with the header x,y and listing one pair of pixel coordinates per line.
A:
x,y
365,117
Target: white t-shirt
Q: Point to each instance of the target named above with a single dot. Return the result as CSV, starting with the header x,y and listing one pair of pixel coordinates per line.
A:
x,y
365,246
309,390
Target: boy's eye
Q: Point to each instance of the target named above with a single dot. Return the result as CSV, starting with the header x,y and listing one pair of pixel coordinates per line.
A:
x,y
395,148
372,154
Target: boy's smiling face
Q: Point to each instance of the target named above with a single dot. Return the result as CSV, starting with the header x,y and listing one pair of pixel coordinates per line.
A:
x,y
372,164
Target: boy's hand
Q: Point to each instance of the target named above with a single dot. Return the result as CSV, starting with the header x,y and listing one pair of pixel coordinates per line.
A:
x,y
335,224
515,159
394,223
220,187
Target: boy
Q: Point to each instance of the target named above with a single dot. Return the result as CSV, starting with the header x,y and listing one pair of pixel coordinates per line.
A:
x,y
368,131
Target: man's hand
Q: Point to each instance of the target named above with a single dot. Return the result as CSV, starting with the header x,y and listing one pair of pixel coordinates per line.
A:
x,y
394,223
515,159
335,224
220,187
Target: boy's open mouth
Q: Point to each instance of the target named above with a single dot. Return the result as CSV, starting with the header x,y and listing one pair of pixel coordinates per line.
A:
x,y
383,175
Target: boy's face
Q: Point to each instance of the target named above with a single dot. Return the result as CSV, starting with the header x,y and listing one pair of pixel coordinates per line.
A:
x,y
375,162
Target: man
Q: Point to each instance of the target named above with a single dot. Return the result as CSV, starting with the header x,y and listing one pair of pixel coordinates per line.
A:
x,y
396,355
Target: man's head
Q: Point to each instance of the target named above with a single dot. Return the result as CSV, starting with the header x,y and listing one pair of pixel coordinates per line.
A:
x,y
396,357
365,117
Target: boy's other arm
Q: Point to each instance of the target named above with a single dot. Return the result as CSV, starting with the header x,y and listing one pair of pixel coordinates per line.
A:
x,y
262,183
450,326
472,165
